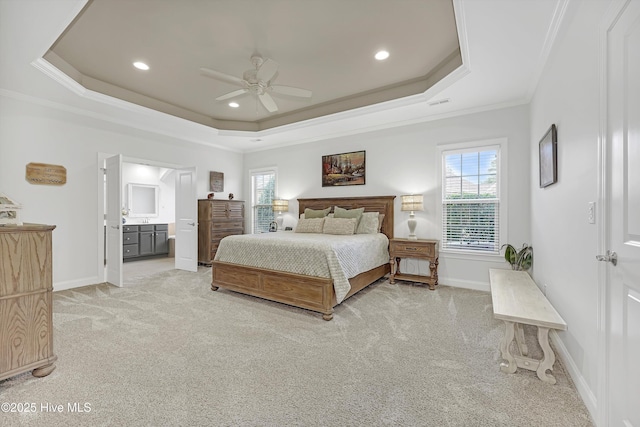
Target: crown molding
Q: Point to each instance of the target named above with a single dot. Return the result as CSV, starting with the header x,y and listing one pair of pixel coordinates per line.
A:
x,y
160,123
557,20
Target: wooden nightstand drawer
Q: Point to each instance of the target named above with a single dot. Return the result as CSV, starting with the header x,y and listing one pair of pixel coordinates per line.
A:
x,y
422,249
401,249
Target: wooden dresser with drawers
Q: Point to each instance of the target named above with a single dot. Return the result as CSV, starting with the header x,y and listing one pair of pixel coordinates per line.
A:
x,y
217,219
26,286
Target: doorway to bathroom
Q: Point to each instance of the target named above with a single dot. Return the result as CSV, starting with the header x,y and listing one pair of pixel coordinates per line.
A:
x,y
160,227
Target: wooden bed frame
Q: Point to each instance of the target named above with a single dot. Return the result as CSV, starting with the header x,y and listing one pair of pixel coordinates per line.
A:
x,y
309,292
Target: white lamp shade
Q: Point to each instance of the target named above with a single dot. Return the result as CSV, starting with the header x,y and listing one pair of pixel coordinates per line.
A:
x,y
412,202
280,205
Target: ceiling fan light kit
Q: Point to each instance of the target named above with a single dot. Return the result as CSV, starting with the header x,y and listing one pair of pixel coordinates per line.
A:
x,y
257,81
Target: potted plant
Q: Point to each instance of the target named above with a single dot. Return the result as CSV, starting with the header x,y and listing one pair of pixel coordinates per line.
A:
x,y
521,259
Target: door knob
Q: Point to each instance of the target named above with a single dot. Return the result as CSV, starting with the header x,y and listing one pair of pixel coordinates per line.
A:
x,y
610,256
193,224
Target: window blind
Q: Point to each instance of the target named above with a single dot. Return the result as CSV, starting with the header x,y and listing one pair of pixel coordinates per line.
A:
x,y
263,185
471,200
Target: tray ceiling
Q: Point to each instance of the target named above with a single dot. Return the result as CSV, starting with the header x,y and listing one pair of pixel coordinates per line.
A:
x,y
324,46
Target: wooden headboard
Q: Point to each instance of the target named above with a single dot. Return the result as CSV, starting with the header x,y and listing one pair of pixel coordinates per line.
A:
x,y
381,204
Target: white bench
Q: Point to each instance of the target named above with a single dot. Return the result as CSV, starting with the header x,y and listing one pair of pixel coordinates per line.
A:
x,y
517,301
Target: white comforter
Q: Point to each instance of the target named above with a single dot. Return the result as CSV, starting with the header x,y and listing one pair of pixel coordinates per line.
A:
x,y
321,255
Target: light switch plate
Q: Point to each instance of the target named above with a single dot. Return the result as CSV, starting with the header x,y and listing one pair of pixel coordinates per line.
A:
x,y
592,213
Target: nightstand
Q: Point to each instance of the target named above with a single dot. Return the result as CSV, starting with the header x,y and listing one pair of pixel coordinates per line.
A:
x,y
418,249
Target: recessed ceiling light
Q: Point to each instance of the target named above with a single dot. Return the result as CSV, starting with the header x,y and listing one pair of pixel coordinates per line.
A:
x,y
234,105
382,55
141,65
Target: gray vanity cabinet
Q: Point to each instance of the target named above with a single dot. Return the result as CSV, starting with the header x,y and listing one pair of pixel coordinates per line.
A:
x,y
161,243
145,240
129,241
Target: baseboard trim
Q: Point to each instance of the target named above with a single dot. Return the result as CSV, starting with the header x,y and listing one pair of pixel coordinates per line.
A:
x,y
584,391
78,283
466,284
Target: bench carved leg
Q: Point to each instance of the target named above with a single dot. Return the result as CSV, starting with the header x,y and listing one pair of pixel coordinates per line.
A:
x,y
509,332
522,346
549,357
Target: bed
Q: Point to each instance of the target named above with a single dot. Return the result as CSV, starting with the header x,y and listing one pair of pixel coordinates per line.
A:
x,y
310,292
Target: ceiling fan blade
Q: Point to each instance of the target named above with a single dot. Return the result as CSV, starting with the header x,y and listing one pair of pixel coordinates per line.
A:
x,y
293,91
268,102
267,70
231,94
221,76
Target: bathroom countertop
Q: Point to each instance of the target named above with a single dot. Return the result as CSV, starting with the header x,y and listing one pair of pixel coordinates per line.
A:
x,y
146,223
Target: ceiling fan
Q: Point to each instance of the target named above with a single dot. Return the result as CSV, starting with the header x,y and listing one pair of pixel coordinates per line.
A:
x,y
258,81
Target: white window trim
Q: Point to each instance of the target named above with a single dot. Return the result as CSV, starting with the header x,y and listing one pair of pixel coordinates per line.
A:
x,y
253,172
502,192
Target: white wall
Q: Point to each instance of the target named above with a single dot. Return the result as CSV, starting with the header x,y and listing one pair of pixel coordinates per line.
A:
x,y
404,160
564,242
35,133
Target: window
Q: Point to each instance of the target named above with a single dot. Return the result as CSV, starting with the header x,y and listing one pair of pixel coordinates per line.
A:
x,y
263,188
472,207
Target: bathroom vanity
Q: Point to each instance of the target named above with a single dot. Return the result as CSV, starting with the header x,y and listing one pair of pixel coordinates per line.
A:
x,y
142,241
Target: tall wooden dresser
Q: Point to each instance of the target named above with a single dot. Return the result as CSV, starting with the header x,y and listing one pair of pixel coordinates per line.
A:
x,y
26,309
217,219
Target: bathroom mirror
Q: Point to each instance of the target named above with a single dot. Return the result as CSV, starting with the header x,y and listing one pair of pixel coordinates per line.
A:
x,y
143,200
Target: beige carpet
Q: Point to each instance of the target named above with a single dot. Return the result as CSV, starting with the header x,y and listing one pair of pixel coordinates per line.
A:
x,y
167,351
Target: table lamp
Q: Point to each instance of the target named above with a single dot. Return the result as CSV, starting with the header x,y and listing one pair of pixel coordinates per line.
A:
x,y
412,203
279,206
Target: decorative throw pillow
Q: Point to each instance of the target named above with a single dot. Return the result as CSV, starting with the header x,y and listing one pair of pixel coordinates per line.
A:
x,y
316,213
348,213
328,216
310,225
339,226
380,219
368,223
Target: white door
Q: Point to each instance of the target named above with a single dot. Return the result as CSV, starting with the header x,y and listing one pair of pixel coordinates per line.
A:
x,y
186,220
114,220
623,231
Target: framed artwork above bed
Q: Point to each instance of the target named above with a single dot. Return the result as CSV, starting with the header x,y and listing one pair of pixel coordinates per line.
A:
x,y
344,169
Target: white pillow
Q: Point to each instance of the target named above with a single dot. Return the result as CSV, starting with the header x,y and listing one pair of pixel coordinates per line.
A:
x,y
310,225
368,223
339,225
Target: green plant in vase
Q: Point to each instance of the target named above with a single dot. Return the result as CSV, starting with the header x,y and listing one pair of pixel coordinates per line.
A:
x,y
520,259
